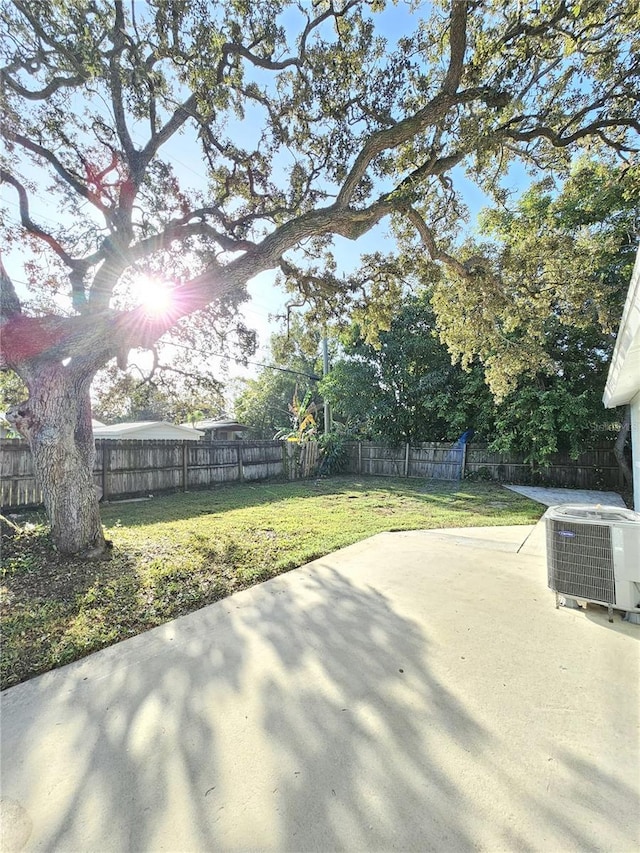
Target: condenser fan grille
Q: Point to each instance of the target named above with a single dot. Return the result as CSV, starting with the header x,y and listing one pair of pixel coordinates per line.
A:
x,y
580,560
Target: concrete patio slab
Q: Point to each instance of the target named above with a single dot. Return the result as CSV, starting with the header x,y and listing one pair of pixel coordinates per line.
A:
x,y
416,691
555,497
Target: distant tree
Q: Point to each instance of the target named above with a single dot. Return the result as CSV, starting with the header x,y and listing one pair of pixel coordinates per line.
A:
x,y
167,395
307,124
293,358
563,410
403,387
12,390
263,403
554,277
352,389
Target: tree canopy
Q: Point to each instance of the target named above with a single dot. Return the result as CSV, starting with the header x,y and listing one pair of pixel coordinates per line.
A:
x,y
540,330
304,122
94,92
404,387
128,396
556,263
264,402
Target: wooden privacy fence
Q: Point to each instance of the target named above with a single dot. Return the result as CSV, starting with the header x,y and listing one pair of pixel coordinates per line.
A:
x,y
134,468
433,460
593,469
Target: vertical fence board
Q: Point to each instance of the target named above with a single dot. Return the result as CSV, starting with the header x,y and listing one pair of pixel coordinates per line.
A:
x,y
132,468
594,469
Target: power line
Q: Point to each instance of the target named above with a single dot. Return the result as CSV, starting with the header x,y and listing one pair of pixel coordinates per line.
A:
x,y
311,376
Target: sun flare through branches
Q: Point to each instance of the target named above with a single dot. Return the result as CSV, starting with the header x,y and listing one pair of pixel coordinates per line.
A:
x,y
155,296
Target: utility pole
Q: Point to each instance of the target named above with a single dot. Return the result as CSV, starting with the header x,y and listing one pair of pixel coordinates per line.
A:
x,y
325,370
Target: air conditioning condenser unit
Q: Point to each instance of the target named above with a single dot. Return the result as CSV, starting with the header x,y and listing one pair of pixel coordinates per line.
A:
x,y
593,555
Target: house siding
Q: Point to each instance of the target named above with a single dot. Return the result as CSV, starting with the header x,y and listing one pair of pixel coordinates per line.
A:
x,y
635,449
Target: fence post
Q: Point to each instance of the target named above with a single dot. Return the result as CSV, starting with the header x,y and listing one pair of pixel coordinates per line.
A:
x,y
360,457
106,455
240,469
406,460
185,467
463,461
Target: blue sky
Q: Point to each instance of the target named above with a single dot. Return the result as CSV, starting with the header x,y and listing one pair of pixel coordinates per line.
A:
x,y
266,300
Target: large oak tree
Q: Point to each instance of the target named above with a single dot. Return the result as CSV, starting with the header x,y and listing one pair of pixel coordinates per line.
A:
x,y
554,266
306,123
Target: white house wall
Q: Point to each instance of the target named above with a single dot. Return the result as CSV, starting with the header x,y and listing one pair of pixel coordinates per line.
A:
x,y
635,445
623,382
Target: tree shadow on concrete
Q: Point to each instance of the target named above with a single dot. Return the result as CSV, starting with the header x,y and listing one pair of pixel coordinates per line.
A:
x,y
112,744
360,735
304,714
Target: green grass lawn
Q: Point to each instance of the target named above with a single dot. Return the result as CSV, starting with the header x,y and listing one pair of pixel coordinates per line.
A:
x,y
174,554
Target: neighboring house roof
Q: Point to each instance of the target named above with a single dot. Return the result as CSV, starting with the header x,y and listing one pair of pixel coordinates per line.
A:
x,y
148,429
220,424
623,382
95,423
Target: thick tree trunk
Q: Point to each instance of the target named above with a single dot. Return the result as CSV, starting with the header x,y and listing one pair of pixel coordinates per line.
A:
x,y
56,421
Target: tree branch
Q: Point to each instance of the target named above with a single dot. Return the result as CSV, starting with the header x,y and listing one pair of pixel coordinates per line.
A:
x,y
391,137
118,40
42,94
433,167
429,241
262,62
135,329
9,303
58,47
30,225
457,46
269,64
606,99
157,140
313,24
62,171
559,141
537,76
524,29
179,231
